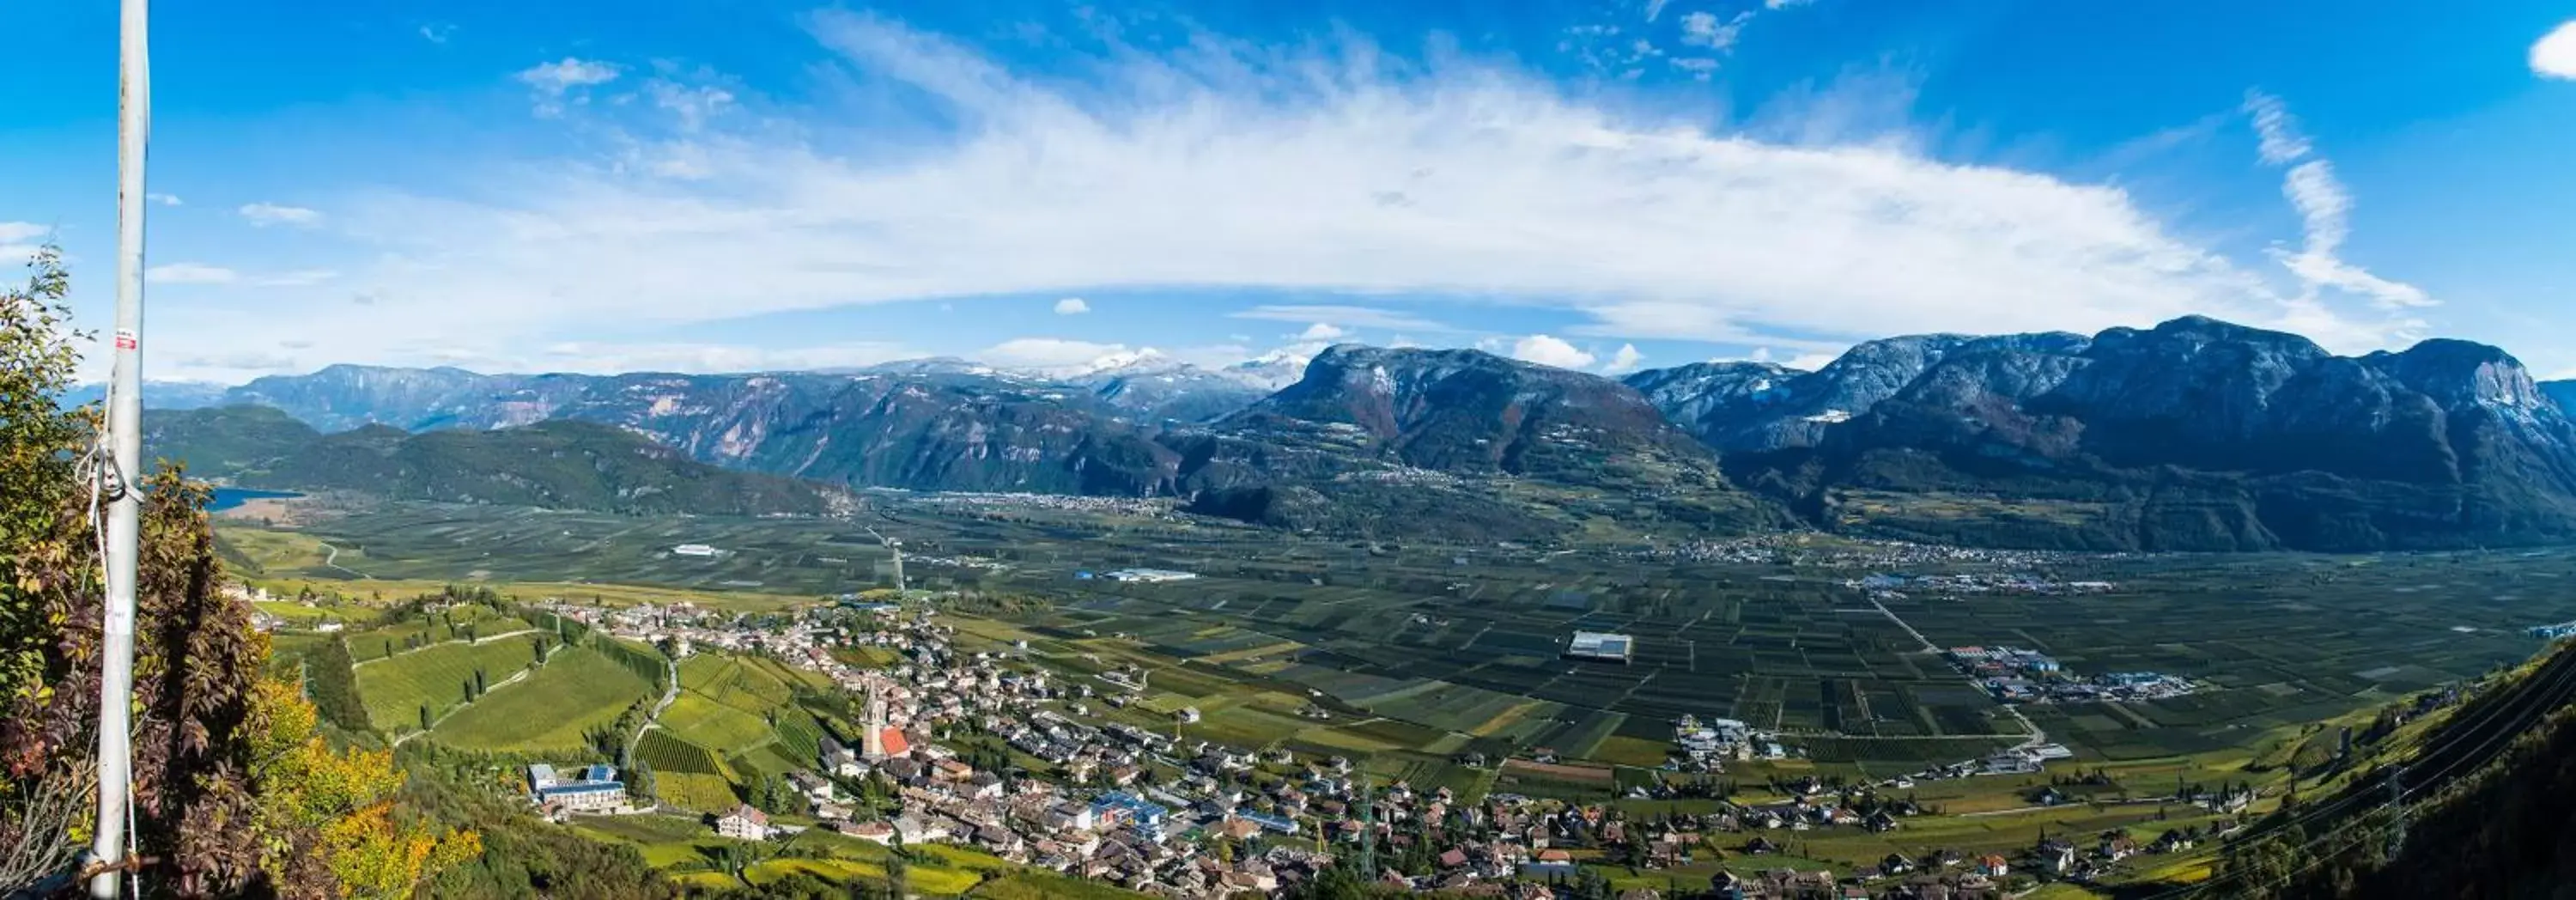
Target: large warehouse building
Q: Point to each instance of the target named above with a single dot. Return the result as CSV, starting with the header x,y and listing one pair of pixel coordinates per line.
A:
x,y
1601,646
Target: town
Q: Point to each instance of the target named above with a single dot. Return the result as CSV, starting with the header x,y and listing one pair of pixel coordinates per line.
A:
x,y
1138,808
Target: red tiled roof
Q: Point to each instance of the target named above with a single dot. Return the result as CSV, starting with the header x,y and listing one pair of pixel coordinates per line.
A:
x,y
895,743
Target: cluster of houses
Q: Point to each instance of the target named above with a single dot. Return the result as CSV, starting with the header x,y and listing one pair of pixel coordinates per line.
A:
x,y
2018,675
1703,745
1893,586
1140,808
1794,549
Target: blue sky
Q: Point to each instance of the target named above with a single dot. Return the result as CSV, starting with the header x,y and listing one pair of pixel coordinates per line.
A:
x,y
730,185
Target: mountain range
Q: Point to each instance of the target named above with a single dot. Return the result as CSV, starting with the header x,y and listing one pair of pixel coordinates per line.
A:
x,y
2194,435
558,464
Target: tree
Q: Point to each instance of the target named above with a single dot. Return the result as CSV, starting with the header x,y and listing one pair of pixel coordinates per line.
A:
x,y
479,685
639,782
335,811
425,720
898,876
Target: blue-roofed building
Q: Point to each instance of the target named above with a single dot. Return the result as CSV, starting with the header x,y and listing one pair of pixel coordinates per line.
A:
x,y
597,789
1118,808
1268,822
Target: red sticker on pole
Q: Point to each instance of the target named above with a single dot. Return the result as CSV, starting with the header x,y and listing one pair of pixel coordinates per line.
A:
x,y
125,340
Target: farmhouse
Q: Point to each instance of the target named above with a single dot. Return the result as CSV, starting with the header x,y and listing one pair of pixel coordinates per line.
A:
x,y
697,550
1600,646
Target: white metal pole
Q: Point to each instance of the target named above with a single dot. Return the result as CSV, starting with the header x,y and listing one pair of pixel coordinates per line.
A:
x,y
125,437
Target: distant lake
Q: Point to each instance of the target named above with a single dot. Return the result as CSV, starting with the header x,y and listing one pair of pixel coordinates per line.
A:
x,y
227,498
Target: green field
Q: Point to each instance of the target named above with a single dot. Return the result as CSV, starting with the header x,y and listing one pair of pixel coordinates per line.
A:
x,y
1407,657
577,689
435,676
686,849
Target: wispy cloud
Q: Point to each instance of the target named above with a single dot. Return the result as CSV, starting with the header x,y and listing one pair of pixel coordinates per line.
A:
x,y
190,273
165,199
2325,212
437,32
18,241
2554,55
1705,29
558,83
1352,316
1241,166
266,214
1071,306
201,273
1784,4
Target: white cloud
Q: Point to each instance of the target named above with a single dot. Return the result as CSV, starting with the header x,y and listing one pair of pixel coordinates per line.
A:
x,y
165,199
1239,167
557,83
190,273
2554,55
1353,316
1625,361
266,214
1547,350
437,32
1323,331
1043,354
703,358
1655,8
1784,4
1704,29
1071,306
2325,213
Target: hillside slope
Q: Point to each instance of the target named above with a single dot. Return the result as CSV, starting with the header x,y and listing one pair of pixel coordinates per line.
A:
x,y
2195,435
2491,796
555,464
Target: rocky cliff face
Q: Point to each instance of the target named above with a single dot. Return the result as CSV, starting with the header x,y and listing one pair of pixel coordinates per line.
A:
x,y
1470,411
2194,435
1737,407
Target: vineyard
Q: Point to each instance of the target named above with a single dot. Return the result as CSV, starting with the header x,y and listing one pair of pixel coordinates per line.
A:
x,y
438,677
577,689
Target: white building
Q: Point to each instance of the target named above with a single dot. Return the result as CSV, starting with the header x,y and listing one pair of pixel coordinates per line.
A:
x,y
698,550
744,824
